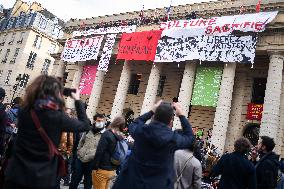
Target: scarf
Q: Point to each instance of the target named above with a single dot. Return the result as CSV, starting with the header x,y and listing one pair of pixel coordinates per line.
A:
x,y
48,103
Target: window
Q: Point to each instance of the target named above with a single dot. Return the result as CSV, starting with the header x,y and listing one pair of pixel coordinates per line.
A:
x,y
8,77
1,73
24,81
3,39
21,38
31,60
12,39
10,23
258,91
161,85
15,55
52,48
28,19
42,23
37,42
45,67
0,51
134,84
56,31
6,56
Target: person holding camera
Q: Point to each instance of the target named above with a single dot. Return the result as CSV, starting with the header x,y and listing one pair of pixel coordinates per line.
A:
x,y
151,162
36,162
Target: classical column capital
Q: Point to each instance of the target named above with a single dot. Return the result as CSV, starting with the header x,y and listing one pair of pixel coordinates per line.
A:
x,y
276,54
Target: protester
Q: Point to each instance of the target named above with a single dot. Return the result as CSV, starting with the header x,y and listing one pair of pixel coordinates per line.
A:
x,y
268,165
13,112
34,163
150,164
86,153
280,184
65,148
104,169
236,171
188,170
3,120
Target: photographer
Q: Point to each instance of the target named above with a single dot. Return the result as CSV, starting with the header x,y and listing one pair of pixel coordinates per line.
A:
x,y
35,160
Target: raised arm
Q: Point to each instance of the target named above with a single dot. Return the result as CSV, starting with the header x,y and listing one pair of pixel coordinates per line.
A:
x,y
140,121
76,125
186,138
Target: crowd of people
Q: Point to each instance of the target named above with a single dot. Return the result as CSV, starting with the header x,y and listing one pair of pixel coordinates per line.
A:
x,y
43,144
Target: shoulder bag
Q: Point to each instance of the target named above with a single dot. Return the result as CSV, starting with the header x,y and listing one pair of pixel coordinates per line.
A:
x,y
53,151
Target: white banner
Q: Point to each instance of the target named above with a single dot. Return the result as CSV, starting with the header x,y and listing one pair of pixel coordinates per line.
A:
x,y
227,48
224,25
107,50
82,49
119,29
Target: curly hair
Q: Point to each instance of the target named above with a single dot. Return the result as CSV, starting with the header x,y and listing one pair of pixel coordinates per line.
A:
x,y
242,145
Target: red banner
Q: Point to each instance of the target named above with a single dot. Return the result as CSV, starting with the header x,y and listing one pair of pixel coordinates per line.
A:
x,y
139,45
254,111
87,80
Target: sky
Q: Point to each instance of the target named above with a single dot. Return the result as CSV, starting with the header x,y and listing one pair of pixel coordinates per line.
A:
x,y
66,9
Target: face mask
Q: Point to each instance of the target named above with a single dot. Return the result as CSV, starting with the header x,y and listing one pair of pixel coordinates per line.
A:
x,y
100,125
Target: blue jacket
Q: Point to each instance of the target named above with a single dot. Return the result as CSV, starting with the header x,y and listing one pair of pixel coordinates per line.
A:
x,y
150,164
237,172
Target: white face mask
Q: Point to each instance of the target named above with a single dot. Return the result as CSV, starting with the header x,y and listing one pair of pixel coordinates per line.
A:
x,y
100,125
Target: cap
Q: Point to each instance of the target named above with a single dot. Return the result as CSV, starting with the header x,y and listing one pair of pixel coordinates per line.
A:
x,y
2,93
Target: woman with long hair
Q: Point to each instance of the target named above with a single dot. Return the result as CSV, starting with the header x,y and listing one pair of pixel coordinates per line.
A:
x,y
32,165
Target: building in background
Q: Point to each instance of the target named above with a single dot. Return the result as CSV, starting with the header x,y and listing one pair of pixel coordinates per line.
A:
x,y
131,87
28,35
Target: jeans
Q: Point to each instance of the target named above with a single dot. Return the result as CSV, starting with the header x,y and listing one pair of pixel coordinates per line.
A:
x,y
81,169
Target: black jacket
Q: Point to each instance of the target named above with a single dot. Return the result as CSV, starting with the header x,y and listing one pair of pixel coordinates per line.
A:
x,y
237,172
150,164
30,164
104,151
267,171
3,124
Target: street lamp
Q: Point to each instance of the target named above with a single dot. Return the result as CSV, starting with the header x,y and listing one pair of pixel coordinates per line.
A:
x,y
15,87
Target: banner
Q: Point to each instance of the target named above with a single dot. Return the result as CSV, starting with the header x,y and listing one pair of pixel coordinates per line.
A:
x,y
139,45
82,49
107,50
254,111
210,48
87,80
110,30
218,25
207,86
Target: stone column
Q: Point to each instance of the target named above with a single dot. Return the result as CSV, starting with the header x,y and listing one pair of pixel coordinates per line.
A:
x,y
58,68
235,128
95,94
152,88
75,84
279,141
186,88
271,112
223,108
122,88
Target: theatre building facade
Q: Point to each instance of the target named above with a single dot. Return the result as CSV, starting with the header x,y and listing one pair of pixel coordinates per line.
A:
x,y
230,83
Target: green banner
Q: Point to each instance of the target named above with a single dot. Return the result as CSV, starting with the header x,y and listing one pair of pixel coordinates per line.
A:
x,y
206,86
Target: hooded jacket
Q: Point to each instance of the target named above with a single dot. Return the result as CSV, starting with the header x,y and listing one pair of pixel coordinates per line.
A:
x,y
150,164
267,171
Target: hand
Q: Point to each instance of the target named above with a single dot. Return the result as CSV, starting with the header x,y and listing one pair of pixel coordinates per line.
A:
x,y
12,125
179,111
76,96
156,105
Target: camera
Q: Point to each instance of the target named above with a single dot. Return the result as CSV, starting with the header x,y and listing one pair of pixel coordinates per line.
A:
x,y
68,91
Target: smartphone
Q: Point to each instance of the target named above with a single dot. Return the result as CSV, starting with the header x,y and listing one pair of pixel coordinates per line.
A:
x,y
68,91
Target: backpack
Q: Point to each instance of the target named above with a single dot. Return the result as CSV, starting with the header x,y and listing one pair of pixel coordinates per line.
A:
x,y
120,152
